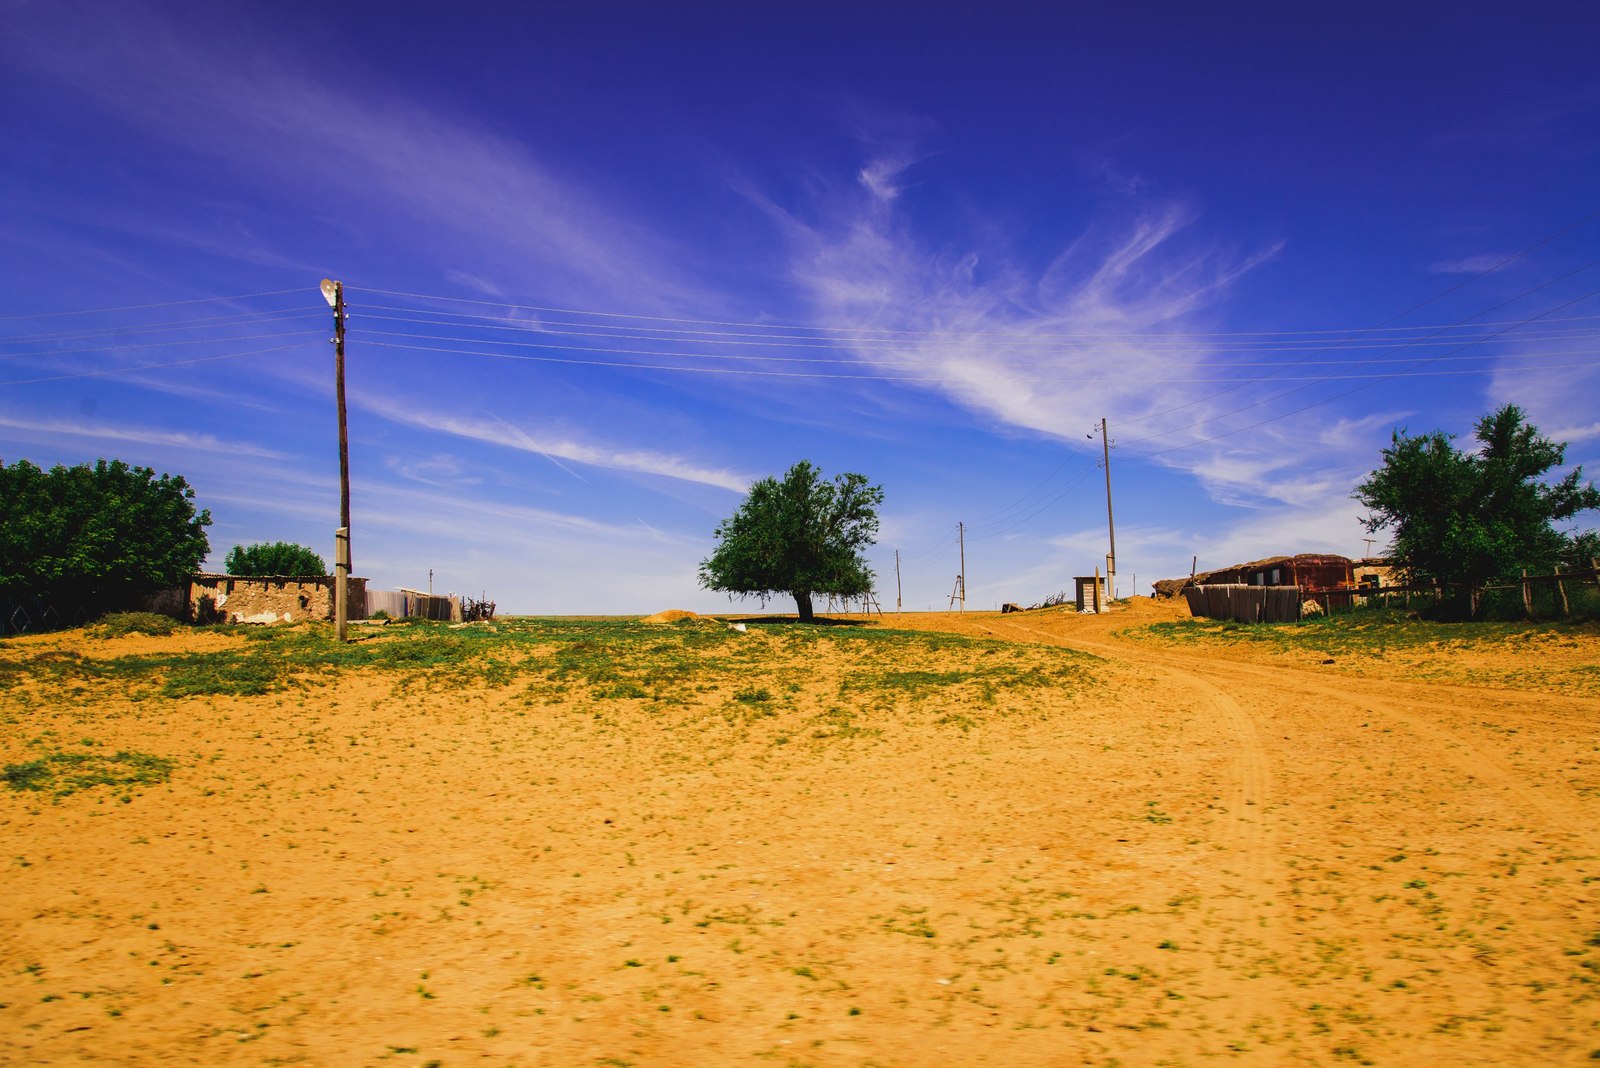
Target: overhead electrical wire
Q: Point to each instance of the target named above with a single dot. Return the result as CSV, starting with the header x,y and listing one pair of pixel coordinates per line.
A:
x,y
989,519
145,307
852,361
111,371
760,325
954,343
242,318
863,344
1411,372
1061,492
623,365
928,559
1415,307
1338,396
161,344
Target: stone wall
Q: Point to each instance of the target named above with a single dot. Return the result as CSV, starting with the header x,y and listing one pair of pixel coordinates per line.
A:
x,y
270,599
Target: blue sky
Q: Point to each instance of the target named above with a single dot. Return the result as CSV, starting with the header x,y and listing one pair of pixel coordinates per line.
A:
x,y
607,264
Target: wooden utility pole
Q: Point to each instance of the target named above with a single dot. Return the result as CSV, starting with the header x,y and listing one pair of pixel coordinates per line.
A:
x,y
961,579
897,600
1111,523
334,293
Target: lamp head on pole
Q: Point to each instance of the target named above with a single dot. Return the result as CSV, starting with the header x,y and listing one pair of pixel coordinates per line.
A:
x,y
330,291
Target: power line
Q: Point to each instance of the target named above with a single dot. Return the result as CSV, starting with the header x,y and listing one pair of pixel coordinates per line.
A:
x,y
1402,314
858,344
143,307
524,325
1369,360
1337,396
147,367
160,344
242,318
1043,505
854,361
623,365
886,330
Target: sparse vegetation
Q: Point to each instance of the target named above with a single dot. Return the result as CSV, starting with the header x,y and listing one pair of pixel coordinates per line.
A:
x,y
121,624
65,773
625,828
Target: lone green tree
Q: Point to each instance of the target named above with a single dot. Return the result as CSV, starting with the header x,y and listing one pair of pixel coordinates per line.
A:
x,y
800,536
273,558
96,536
1469,518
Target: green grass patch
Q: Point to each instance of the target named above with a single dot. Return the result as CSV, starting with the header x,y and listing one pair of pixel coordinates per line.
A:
x,y
121,624
1370,631
755,674
63,773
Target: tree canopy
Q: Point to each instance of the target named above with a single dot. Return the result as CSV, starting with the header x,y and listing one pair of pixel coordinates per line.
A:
x,y
273,558
96,535
801,536
1470,518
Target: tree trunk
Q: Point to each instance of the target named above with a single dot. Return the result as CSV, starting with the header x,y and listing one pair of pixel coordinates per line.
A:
x,y
802,601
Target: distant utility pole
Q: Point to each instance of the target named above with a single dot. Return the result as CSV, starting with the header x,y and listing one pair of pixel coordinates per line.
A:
x,y
333,293
1111,522
961,535
430,582
897,600
1369,542
960,592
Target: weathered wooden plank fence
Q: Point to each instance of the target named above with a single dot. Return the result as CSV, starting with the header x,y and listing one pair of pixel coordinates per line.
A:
x,y
1539,595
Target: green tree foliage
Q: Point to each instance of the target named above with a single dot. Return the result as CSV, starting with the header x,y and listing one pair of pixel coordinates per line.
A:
x,y
96,535
801,536
1473,517
274,558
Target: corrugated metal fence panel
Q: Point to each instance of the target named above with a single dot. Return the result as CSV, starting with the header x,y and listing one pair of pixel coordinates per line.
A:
x,y
392,602
407,604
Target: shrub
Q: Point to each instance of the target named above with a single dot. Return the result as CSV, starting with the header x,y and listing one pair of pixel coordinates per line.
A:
x,y
121,624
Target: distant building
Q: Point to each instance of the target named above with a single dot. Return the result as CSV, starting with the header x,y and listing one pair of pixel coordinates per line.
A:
x,y
1276,588
269,598
1311,572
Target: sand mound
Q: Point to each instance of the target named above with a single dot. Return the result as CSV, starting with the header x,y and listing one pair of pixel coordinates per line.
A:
x,y
671,615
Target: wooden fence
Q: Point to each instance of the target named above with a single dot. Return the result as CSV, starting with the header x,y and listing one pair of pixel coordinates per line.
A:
x,y
1245,604
1530,597
409,604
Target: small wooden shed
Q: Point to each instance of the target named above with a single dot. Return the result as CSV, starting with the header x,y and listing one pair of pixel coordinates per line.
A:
x,y
1091,592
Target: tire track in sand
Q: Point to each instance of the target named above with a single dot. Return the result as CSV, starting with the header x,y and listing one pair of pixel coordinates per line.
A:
x,y
1248,941
1385,702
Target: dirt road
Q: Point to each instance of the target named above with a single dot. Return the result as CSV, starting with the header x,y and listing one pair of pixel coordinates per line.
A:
x,y
1415,863
605,844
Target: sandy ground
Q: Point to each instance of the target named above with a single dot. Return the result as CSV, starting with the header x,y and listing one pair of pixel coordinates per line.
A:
x,y
1189,854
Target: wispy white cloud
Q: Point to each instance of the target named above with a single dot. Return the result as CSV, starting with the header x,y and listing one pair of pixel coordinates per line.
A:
x,y
1476,264
1113,325
881,176
52,430
442,469
1559,400
495,431
228,93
